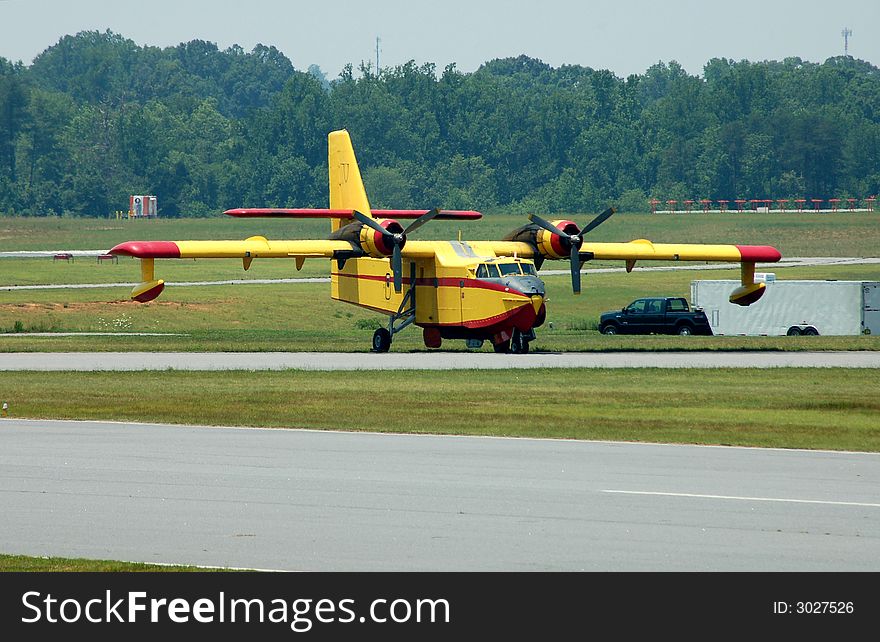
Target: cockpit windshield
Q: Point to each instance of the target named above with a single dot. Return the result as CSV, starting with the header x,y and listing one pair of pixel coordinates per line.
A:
x,y
509,268
497,270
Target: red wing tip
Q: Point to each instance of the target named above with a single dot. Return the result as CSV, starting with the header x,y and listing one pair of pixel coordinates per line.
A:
x,y
759,253
147,249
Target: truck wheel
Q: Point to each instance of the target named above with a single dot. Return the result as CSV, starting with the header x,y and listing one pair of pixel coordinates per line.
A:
x,y
811,332
685,330
609,329
794,331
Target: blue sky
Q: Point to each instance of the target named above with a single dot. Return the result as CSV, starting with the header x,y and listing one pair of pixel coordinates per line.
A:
x,y
625,36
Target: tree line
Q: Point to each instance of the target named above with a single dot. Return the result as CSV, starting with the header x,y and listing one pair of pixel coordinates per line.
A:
x,y
96,117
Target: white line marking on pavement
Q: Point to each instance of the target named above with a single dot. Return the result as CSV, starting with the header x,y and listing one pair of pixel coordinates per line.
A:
x,y
744,499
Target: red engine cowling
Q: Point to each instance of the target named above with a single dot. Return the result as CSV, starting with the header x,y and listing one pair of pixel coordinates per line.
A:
x,y
376,244
552,245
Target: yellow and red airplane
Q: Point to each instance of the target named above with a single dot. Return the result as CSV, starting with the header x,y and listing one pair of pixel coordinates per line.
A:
x,y
476,290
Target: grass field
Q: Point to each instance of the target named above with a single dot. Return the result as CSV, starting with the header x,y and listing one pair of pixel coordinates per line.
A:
x,y
788,408
302,317
293,317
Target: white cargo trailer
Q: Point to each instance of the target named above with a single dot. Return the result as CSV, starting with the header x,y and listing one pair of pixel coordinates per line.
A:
x,y
792,308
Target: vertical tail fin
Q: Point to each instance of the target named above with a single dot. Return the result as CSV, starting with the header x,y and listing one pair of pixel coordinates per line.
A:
x,y
346,187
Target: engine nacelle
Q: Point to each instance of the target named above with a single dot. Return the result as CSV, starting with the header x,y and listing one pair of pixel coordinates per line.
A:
x,y
552,245
375,243
548,244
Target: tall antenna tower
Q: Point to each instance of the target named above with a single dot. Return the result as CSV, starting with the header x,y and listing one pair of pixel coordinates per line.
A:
x,y
846,33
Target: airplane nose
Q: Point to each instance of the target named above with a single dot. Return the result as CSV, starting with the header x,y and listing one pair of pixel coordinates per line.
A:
x,y
537,302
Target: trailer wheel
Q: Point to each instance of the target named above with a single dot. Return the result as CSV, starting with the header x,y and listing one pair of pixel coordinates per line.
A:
x,y
811,332
794,331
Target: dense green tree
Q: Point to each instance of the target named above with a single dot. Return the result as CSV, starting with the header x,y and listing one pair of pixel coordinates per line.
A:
x,y
97,117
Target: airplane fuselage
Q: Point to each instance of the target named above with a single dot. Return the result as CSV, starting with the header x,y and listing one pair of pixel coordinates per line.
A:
x,y
458,294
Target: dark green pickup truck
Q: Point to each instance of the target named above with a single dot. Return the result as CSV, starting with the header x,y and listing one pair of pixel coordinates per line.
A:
x,y
656,315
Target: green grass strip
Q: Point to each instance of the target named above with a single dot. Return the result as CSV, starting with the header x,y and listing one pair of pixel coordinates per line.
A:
x,y
834,409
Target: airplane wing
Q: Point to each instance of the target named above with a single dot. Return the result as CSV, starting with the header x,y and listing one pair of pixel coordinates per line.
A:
x,y
643,250
247,251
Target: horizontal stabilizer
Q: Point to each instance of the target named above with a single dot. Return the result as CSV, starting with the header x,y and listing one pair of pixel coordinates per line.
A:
x,y
268,212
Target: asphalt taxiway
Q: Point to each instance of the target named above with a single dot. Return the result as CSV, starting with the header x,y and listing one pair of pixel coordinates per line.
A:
x,y
326,501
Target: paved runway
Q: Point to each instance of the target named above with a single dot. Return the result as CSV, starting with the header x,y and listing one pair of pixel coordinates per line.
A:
x,y
91,361
301,500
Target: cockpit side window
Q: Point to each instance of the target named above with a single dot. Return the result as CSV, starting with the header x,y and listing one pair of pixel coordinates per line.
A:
x,y
482,271
528,268
493,271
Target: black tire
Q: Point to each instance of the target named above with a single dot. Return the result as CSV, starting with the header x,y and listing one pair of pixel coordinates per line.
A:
x,y
685,330
518,343
502,348
608,329
811,332
381,340
793,331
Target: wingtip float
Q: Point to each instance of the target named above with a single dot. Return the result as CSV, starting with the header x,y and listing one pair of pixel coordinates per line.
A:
x,y
475,290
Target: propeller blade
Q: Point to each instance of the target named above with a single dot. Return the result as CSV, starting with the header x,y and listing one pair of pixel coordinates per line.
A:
x,y
424,218
397,269
370,222
596,222
575,270
547,225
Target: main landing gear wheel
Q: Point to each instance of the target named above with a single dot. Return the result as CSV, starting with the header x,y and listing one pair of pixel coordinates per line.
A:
x,y
503,347
519,344
381,340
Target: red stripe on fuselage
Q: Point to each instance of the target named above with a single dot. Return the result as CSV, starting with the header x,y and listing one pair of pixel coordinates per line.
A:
x,y
448,282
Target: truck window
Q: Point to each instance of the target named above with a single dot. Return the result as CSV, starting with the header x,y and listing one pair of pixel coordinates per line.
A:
x,y
652,306
677,305
636,306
